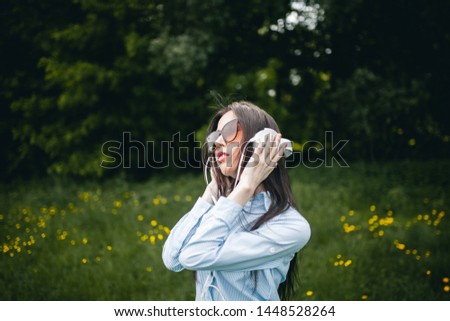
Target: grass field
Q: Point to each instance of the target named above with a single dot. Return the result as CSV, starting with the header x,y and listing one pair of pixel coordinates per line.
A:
x,y
379,232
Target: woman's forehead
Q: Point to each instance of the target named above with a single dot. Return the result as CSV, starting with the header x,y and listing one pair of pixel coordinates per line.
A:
x,y
228,116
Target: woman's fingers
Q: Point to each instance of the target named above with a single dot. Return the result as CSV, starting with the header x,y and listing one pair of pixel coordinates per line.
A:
x,y
269,150
260,146
275,143
277,150
265,156
280,152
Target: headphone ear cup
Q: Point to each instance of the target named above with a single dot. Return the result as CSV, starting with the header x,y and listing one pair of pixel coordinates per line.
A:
x,y
288,150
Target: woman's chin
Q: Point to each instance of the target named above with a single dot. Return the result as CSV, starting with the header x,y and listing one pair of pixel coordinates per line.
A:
x,y
227,171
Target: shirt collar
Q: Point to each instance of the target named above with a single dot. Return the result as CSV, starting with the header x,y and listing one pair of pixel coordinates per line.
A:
x,y
263,197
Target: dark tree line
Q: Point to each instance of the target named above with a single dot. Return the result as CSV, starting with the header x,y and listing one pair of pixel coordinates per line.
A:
x,y
75,74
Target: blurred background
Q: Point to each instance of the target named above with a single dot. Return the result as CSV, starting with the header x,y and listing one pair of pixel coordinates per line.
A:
x,y
75,74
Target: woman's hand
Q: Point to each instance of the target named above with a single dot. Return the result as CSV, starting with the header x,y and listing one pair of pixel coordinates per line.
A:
x,y
211,190
262,163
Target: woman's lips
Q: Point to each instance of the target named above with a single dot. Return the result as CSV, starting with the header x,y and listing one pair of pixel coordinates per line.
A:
x,y
221,156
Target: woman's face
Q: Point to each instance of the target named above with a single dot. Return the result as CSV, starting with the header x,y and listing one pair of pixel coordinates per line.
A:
x,y
228,153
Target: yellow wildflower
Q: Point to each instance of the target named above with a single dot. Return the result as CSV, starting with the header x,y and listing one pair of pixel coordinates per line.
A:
x,y
401,246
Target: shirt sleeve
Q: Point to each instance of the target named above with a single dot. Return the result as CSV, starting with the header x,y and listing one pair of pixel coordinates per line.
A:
x,y
181,234
218,245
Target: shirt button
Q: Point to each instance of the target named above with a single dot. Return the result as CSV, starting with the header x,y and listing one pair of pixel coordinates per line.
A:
x,y
273,250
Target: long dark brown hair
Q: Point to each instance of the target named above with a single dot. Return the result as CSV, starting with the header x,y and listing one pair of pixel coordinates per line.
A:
x,y
252,119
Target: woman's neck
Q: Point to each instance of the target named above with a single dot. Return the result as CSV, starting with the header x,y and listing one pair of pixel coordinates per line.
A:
x,y
259,189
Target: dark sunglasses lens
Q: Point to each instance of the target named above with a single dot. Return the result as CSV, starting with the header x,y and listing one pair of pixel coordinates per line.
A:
x,y
211,140
212,137
229,131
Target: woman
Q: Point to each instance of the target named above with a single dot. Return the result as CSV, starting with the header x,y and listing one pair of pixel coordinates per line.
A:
x,y
242,235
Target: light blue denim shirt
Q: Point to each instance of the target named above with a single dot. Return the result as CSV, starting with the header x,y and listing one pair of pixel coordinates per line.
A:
x,y
216,241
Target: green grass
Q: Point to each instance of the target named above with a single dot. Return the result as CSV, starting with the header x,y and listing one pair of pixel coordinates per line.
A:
x,y
65,240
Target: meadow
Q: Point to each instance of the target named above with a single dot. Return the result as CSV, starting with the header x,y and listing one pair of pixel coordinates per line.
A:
x,y
379,232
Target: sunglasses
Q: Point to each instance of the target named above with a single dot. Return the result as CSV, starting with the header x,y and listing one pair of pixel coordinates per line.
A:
x,y
228,132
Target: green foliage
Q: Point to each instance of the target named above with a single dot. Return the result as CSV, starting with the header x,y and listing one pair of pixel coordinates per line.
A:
x,y
377,111
76,74
402,53
104,69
